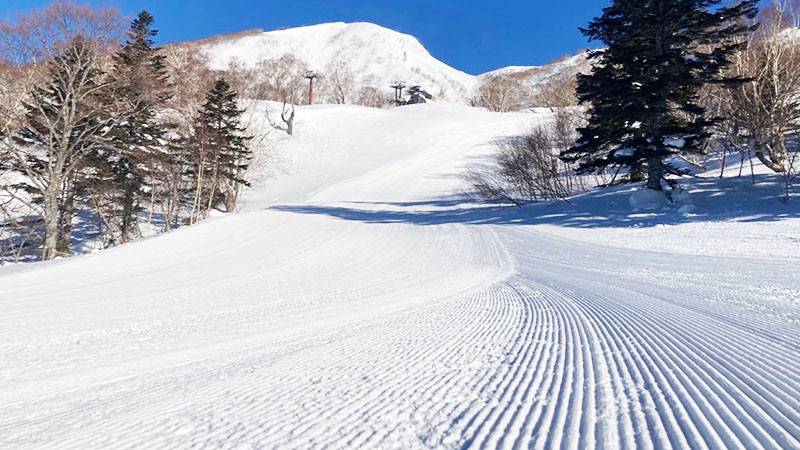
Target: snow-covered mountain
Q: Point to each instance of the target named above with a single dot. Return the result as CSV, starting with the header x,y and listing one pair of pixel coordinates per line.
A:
x,y
536,77
566,64
377,56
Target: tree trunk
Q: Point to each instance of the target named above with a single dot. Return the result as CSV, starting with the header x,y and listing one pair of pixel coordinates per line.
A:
x,y
655,172
288,120
50,246
637,173
230,197
127,213
67,210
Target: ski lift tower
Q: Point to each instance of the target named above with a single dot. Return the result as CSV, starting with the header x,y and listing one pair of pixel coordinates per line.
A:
x,y
311,76
398,87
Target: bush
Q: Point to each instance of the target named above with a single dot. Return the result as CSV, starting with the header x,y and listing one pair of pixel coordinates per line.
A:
x,y
527,168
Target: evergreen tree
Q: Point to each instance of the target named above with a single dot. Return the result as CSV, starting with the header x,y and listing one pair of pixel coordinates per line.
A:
x,y
141,86
643,89
222,152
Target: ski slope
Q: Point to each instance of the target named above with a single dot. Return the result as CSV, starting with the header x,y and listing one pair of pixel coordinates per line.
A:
x,y
358,303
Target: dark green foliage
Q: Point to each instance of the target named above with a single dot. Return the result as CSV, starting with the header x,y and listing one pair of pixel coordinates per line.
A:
x,y
220,124
140,86
223,144
642,93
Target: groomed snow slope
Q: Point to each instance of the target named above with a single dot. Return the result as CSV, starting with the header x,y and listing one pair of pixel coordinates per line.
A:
x,y
367,307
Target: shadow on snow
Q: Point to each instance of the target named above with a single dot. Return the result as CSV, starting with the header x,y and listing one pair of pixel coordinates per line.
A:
x,y
712,200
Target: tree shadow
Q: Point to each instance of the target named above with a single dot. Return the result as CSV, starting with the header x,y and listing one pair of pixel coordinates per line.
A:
x,y
712,200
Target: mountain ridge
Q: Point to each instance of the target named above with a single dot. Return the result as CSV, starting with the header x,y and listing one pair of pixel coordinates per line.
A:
x,y
377,56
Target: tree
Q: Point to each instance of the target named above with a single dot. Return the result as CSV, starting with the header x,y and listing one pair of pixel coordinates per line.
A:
x,y
501,93
140,86
340,83
52,115
527,168
767,108
286,84
192,80
643,89
66,120
39,35
557,91
221,155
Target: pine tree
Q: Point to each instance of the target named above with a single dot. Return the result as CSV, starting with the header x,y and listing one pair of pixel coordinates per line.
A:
x,y
222,155
141,86
643,89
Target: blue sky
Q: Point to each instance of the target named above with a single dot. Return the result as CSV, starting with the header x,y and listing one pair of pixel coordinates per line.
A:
x,y
472,35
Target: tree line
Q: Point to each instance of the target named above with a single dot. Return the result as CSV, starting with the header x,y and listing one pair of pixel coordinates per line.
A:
x,y
96,131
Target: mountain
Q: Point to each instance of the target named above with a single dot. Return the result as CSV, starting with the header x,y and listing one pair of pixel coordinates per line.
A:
x,y
377,56
537,77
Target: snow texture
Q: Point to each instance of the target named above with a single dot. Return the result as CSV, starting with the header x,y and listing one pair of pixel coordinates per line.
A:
x,y
358,303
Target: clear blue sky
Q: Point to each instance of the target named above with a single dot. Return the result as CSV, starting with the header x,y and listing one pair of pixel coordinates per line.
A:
x,y
472,35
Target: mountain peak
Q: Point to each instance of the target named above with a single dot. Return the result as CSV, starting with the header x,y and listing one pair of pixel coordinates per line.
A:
x,y
376,55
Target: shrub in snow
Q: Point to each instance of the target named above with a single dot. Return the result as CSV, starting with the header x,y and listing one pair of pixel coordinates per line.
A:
x,y
528,168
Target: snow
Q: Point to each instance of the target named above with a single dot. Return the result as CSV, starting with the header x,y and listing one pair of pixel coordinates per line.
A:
x,y
643,199
359,302
537,76
377,56
573,63
727,217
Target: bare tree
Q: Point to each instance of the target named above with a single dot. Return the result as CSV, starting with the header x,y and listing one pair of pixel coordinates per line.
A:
x,y
287,115
558,91
339,82
765,111
283,81
501,93
56,54
373,97
527,168
191,80
39,35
